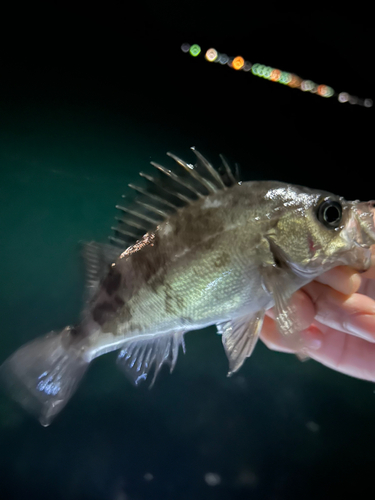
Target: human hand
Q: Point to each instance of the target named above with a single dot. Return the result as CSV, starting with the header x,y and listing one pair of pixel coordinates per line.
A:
x,y
338,312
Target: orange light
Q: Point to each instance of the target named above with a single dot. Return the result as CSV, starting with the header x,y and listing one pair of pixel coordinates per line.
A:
x,y
275,75
322,90
238,63
295,81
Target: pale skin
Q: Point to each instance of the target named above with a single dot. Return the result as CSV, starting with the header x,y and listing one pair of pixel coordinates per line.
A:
x,y
338,311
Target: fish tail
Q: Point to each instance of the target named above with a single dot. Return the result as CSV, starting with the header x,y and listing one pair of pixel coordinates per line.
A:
x,y
43,374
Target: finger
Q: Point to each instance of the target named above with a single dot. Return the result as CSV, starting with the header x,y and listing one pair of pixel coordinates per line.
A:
x,y
354,314
367,287
370,273
304,309
345,353
310,338
342,278
304,315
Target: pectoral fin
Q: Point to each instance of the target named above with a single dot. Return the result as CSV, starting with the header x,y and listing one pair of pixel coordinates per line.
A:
x,y
278,283
239,337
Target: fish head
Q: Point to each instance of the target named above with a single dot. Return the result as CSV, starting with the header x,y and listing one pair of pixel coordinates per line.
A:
x,y
317,231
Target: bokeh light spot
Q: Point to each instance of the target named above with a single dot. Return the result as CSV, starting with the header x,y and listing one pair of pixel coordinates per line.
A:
x,y
185,47
195,50
238,63
211,55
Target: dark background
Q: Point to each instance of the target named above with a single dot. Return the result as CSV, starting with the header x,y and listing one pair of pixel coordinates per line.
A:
x,y
87,100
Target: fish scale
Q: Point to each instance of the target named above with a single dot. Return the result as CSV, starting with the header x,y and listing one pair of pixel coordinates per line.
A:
x,y
222,253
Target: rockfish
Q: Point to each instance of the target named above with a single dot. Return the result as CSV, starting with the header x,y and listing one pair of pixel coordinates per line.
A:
x,y
207,249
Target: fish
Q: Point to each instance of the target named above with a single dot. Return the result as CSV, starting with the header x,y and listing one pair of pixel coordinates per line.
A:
x,y
198,248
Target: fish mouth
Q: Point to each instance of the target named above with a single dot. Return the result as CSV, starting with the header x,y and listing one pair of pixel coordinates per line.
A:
x,y
365,246
362,226
361,232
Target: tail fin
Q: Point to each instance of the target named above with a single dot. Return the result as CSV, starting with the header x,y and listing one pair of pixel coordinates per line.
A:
x,y
43,375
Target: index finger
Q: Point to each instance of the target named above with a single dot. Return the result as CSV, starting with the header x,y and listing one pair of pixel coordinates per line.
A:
x,y
354,314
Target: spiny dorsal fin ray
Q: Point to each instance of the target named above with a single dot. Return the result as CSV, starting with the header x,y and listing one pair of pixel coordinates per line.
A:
x,y
133,223
164,195
137,358
193,172
152,196
122,231
177,179
156,210
209,168
159,184
138,214
228,170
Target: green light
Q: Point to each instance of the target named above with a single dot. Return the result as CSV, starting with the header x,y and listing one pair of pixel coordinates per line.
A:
x,y
285,77
195,50
254,69
329,92
267,72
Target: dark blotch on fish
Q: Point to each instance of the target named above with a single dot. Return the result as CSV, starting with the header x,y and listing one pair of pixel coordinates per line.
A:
x,y
150,263
112,281
118,301
103,312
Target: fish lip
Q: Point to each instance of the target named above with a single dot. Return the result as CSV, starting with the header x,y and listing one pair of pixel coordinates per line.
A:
x,y
365,246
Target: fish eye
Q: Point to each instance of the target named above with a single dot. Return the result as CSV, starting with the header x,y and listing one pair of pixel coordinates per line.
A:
x,y
330,213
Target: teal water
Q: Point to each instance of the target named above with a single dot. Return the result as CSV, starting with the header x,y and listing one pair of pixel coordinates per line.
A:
x,y
268,432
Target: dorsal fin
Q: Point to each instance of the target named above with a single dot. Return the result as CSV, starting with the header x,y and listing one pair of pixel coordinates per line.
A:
x,y
165,194
98,257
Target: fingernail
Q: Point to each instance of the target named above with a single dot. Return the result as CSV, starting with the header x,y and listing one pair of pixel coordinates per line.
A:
x,y
311,340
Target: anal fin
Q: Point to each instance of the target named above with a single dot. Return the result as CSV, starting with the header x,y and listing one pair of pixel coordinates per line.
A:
x,y
239,337
137,357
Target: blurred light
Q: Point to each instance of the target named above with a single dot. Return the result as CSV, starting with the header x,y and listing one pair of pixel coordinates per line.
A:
x,y
285,77
211,55
343,97
148,476
212,479
223,59
307,85
275,75
195,50
325,91
295,81
267,72
254,69
185,47
322,90
238,63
